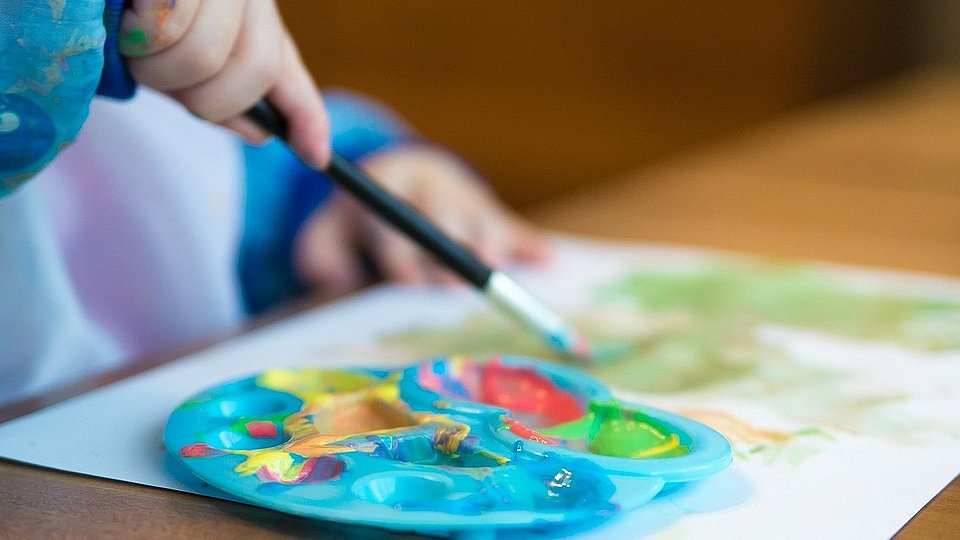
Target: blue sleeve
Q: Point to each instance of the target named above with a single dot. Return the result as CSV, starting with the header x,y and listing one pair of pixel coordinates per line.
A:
x,y
51,57
281,193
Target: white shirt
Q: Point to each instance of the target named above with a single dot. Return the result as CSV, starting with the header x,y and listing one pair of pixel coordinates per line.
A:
x,y
125,245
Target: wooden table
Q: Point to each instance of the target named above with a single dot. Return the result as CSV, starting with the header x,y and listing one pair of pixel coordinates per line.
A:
x,y
873,179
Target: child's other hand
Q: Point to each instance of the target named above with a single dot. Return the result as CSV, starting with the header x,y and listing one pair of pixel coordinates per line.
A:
x,y
218,58
327,252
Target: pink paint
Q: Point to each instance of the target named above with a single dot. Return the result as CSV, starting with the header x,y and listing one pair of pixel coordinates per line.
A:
x,y
200,450
319,469
460,378
260,429
581,348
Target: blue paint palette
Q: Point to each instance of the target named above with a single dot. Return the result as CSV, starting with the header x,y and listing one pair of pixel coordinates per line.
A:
x,y
452,446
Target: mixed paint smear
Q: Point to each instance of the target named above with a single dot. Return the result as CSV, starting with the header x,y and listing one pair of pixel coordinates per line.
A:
x,y
333,424
524,391
537,402
340,423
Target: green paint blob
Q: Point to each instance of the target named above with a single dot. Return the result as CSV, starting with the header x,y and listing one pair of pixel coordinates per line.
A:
x,y
134,43
610,429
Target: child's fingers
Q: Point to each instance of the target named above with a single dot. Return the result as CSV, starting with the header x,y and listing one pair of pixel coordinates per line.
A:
x,y
199,55
149,26
297,98
503,239
461,227
253,69
396,256
490,241
526,244
325,254
246,128
452,197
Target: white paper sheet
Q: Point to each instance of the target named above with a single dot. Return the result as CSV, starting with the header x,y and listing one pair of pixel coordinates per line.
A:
x,y
842,412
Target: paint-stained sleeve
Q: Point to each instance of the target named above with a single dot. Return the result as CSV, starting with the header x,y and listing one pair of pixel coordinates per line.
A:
x,y
51,57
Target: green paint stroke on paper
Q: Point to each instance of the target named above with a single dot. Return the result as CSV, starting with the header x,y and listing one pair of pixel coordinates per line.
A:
x,y
730,296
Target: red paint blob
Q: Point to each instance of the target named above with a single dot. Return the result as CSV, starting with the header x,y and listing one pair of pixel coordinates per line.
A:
x,y
199,450
526,392
260,429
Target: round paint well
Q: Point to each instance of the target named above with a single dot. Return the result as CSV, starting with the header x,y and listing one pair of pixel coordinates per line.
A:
x,y
254,404
347,416
616,430
228,439
689,451
394,488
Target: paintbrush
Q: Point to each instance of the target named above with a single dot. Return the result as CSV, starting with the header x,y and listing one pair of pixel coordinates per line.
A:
x,y
499,288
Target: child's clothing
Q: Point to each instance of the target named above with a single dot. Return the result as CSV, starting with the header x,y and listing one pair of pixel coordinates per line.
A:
x,y
153,229
136,237
125,244
51,57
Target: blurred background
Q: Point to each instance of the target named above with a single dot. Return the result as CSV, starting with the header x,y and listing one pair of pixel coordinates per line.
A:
x,y
546,94
548,98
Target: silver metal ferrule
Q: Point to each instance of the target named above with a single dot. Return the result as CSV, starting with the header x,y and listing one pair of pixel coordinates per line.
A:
x,y
515,300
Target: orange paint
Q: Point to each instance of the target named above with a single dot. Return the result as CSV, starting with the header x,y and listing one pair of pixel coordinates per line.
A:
x,y
524,432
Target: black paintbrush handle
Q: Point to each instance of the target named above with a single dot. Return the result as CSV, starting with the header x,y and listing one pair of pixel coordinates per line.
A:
x,y
396,212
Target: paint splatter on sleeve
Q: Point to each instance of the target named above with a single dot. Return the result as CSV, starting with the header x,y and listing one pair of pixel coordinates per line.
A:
x,y
51,57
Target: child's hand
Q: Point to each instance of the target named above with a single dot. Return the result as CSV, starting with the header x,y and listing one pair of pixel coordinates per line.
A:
x,y
327,252
218,58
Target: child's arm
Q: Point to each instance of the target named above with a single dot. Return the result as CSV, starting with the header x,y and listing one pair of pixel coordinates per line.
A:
x,y
218,58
